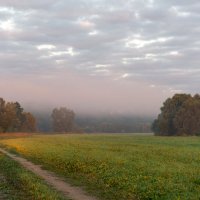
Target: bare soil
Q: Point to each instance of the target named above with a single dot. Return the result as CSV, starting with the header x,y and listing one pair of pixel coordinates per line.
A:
x,y
75,193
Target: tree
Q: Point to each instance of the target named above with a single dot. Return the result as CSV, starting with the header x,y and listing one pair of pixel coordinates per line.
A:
x,y
28,123
187,120
180,115
63,119
2,110
13,119
10,122
164,124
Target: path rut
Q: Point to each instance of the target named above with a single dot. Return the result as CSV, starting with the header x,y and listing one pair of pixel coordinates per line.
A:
x,y
73,192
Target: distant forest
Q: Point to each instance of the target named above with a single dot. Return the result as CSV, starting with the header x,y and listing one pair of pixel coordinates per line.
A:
x,y
99,124
13,118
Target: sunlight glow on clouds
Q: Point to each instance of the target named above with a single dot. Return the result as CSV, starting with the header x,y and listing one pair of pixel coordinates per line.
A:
x,y
95,32
85,23
125,75
7,25
7,10
102,66
139,43
46,46
179,13
174,53
69,51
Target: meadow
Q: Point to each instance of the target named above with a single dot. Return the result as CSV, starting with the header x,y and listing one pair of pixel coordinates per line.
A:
x,y
119,166
16,183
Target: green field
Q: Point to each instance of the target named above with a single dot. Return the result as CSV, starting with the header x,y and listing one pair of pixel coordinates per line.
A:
x,y
16,183
119,167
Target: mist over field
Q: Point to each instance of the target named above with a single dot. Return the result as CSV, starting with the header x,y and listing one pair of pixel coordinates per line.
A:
x,y
86,95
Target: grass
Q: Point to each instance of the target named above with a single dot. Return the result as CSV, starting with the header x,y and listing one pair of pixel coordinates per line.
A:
x,y
16,183
119,167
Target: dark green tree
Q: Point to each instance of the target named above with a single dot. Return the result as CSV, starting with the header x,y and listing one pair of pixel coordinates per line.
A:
x,y
169,119
187,120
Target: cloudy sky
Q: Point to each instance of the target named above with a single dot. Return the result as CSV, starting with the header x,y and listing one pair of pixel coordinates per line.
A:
x,y
99,55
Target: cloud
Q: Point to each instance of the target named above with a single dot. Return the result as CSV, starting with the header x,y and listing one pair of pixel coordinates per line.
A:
x,y
45,46
153,43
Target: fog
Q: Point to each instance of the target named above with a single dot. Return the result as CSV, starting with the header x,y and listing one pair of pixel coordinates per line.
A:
x,y
84,94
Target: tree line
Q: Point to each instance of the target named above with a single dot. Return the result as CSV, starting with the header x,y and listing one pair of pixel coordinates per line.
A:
x,y
13,118
180,115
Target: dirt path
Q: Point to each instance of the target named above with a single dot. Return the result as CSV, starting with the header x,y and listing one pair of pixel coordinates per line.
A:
x,y
69,191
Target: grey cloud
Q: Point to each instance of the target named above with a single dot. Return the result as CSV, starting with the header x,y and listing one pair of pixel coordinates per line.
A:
x,y
22,4
154,42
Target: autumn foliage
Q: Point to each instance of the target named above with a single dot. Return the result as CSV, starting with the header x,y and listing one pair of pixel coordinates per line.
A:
x,y
14,119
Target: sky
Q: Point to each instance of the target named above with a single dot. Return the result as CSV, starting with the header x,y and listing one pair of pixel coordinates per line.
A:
x,y
96,56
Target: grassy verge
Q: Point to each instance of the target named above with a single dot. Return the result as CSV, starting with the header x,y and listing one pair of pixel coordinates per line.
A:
x,y
120,167
16,183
